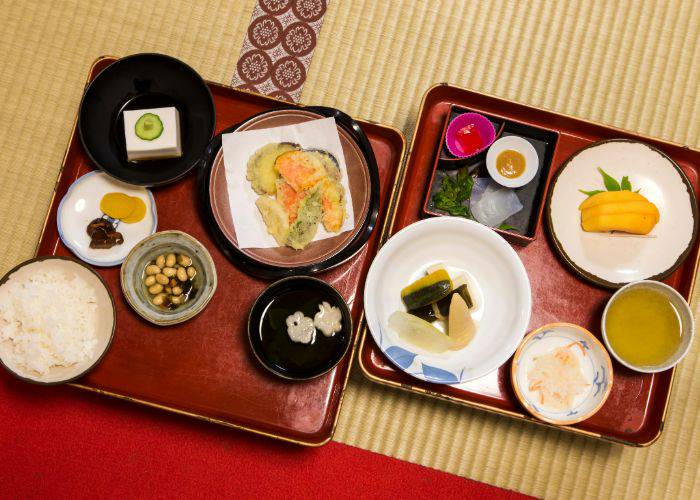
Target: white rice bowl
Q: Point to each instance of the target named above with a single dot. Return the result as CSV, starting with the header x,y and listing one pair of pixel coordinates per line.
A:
x,y
56,320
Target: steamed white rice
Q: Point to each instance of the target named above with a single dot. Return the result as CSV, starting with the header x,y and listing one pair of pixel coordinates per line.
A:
x,y
47,319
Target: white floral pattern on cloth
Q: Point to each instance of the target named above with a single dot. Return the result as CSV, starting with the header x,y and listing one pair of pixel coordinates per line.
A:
x,y
278,47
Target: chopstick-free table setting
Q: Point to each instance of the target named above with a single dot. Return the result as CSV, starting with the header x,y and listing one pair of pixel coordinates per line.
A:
x,y
430,253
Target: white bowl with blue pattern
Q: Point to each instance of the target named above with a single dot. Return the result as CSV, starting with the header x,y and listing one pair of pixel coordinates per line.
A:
x,y
593,360
497,281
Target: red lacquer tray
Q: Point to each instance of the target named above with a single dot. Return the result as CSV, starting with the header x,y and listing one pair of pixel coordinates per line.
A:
x,y
635,411
204,368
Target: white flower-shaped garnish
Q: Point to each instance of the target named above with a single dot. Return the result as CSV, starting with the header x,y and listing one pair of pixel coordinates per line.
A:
x,y
328,319
301,328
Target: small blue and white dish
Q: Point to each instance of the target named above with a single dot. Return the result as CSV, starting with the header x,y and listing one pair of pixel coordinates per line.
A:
x,y
81,205
561,373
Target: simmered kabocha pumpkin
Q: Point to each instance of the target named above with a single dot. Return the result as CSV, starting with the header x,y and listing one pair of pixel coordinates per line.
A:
x,y
624,211
441,308
428,289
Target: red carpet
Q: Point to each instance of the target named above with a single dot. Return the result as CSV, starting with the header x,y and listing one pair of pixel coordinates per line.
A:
x,y
60,442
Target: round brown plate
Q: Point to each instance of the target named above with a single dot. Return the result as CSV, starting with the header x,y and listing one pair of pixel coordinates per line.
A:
x,y
318,255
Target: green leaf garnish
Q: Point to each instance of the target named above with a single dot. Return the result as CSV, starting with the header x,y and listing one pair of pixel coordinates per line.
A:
x,y
591,193
505,227
610,183
454,192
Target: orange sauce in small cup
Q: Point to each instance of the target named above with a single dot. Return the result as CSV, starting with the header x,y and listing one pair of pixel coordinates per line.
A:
x,y
510,164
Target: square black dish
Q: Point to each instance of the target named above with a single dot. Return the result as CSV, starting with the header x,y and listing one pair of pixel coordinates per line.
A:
x,y
521,227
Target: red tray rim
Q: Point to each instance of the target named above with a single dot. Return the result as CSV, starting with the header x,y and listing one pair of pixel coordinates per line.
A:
x,y
357,333
387,230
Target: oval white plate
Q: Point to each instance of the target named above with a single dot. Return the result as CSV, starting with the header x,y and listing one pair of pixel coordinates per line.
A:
x,y
81,204
498,282
615,260
595,365
522,146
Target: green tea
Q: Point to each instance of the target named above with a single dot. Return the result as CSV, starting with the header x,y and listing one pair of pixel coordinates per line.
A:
x,y
643,327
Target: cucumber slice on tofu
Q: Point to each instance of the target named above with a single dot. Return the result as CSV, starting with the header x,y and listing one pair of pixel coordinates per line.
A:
x,y
148,127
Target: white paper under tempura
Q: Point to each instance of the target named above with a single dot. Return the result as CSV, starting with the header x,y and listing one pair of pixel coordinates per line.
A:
x,y
251,231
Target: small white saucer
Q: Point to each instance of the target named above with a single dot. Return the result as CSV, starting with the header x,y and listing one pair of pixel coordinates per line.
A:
x,y
522,146
81,205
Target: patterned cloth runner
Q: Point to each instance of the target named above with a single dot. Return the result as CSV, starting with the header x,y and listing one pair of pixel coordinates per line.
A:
x,y
278,47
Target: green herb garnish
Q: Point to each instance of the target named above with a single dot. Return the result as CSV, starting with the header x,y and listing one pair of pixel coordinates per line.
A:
x,y
611,184
625,184
454,192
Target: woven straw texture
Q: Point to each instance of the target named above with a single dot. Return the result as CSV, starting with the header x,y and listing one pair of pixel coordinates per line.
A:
x,y
632,64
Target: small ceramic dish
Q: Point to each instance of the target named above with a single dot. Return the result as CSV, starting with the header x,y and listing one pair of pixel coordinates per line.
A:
x,y
520,145
144,253
145,81
685,315
81,204
268,328
497,282
105,313
530,372
612,260
482,125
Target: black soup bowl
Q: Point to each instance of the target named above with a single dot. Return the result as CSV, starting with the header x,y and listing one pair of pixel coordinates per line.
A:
x,y
267,328
143,81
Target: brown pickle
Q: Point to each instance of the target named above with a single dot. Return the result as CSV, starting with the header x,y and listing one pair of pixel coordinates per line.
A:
x,y
103,234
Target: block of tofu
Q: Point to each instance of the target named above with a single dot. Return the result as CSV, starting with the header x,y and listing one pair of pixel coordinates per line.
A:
x,y
165,144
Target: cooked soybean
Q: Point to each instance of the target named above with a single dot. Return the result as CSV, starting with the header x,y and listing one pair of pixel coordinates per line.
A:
x,y
168,279
152,269
159,299
182,274
170,260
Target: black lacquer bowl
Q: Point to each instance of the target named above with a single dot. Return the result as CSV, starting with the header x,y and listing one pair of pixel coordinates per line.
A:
x,y
142,81
270,341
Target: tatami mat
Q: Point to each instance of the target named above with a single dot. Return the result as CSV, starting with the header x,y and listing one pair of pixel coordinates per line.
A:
x,y
635,65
